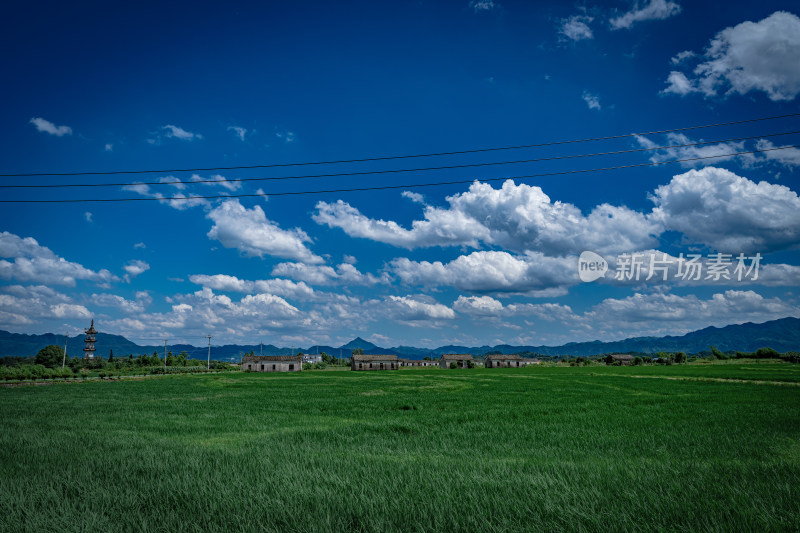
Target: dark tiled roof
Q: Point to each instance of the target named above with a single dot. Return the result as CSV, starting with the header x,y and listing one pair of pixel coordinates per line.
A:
x,y
272,358
622,357
456,356
368,358
509,357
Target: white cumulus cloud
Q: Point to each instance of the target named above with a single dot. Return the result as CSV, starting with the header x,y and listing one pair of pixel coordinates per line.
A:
x,y
517,217
345,273
136,267
751,56
729,213
414,309
493,272
250,232
280,287
35,263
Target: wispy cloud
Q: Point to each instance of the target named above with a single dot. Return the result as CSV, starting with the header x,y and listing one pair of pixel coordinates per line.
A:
x,y
287,135
239,131
48,127
483,5
592,100
576,27
176,132
134,268
652,10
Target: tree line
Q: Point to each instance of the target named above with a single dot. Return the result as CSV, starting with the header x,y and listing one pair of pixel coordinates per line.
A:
x,y
47,364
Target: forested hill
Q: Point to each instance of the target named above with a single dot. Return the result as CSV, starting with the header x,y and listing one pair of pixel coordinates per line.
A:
x,y
782,335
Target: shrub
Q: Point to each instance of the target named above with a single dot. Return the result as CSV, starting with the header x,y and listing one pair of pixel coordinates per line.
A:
x,y
453,364
716,353
637,361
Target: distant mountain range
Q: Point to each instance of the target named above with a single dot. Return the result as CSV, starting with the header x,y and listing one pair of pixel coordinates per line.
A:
x,y
782,335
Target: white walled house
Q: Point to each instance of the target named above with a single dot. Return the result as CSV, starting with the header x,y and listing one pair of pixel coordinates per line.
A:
x,y
272,363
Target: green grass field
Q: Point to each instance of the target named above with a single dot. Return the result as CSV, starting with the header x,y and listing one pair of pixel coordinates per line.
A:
x,y
543,448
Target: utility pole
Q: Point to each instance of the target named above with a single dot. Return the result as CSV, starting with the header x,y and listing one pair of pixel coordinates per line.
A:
x,y
165,356
208,367
64,362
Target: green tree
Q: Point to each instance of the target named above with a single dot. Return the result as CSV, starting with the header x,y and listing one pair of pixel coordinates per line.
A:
x,y
717,353
680,358
111,355
358,351
50,356
453,364
767,353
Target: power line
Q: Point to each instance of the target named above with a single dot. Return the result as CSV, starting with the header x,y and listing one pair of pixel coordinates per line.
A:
x,y
388,158
386,187
393,171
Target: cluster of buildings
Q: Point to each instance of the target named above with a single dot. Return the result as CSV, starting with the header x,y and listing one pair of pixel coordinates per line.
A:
x,y
294,363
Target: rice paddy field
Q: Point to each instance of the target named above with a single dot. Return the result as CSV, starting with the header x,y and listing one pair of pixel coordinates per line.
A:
x,y
682,448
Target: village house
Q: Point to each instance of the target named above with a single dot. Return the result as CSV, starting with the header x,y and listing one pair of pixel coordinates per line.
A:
x,y
462,360
498,361
619,359
272,363
374,362
417,362
527,361
309,358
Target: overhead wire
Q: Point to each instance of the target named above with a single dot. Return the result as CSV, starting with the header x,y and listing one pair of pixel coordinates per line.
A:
x,y
393,157
391,171
404,186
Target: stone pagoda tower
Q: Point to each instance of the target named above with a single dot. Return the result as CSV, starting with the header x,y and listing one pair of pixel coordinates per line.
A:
x,y
88,351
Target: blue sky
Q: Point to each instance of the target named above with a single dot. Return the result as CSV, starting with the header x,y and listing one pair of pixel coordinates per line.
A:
x,y
102,87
